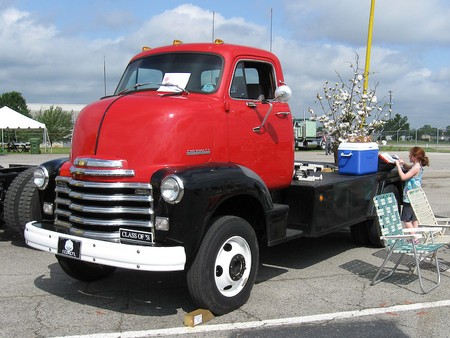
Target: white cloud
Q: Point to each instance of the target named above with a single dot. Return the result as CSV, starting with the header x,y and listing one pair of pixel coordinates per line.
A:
x,y
314,40
398,22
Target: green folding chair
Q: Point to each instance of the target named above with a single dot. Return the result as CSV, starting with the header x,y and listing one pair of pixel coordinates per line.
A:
x,y
402,241
426,217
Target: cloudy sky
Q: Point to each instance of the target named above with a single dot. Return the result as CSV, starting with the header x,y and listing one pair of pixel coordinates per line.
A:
x,y
54,51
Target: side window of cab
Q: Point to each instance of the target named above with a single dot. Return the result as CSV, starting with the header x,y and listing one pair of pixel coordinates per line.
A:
x,y
253,80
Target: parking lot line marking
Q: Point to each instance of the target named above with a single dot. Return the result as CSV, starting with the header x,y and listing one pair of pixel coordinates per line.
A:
x,y
268,323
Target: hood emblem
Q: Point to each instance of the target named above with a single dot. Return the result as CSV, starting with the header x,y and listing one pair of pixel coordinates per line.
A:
x,y
195,152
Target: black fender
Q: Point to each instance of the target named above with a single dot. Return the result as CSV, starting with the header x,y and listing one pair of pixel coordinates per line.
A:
x,y
208,192
48,194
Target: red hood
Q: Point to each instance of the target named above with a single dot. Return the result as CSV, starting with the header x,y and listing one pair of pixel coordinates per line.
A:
x,y
141,129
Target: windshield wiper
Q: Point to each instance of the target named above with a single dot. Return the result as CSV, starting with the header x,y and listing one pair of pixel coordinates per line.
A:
x,y
136,86
180,91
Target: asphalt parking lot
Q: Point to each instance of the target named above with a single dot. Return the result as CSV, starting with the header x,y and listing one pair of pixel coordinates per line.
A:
x,y
307,287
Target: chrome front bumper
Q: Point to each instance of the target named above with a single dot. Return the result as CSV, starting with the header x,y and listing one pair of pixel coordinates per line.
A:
x,y
135,257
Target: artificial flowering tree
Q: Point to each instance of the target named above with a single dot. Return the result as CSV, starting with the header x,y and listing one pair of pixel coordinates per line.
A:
x,y
348,113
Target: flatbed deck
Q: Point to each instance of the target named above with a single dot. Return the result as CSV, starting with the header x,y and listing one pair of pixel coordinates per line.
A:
x,y
335,201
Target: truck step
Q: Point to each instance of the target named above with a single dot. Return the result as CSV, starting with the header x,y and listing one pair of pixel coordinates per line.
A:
x,y
290,235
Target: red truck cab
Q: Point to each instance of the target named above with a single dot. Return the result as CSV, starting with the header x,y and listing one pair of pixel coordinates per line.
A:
x,y
215,98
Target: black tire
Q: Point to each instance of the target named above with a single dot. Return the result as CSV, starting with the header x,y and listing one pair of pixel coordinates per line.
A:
x,y
374,231
322,145
223,273
22,201
84,271
360,233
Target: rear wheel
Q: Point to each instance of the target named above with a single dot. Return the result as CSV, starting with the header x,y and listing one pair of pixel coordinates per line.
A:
x,y
22,201
224,270
84,271
360,233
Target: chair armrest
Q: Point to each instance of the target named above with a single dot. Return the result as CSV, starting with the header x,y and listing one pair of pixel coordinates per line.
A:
x,y
428,228
443,220
434,225
411,236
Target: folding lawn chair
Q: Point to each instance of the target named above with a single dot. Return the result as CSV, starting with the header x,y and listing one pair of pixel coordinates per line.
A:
x,y
426,217
402,241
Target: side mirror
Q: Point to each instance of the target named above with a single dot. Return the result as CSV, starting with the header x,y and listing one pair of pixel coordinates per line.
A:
x,y
283,93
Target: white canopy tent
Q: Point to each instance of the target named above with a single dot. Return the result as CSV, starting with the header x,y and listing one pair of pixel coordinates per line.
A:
x,y
10,119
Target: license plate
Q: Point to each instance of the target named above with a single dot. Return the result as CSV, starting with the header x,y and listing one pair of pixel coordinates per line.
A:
x,y
69,247
135,236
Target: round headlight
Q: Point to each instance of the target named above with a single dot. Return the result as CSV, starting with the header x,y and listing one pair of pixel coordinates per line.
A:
x,y
41,177
172,189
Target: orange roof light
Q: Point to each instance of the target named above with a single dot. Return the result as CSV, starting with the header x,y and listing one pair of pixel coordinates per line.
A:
x,y
177,42
145,48
218,41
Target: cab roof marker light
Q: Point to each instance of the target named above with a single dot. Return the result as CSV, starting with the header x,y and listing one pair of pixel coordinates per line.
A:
x,y
145,48
177,42
218,41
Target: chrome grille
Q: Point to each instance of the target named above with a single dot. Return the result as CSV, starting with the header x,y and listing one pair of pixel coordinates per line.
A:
x,y
102,206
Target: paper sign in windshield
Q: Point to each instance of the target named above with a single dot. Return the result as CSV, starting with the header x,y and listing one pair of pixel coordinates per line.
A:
x,y
174,82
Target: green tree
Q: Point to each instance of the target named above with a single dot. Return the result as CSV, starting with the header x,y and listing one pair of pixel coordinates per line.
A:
x,y
15,101
426,132
398,122
58,122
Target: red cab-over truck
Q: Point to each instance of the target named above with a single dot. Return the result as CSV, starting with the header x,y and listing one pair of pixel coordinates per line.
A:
x,y
190,166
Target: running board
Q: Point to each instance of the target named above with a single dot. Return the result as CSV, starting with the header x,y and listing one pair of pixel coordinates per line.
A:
x,y
290,235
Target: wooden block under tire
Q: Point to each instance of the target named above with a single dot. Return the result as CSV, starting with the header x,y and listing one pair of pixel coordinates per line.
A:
x,y
197,317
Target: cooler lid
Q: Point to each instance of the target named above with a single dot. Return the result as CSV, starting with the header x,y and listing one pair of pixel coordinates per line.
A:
x,y
358,146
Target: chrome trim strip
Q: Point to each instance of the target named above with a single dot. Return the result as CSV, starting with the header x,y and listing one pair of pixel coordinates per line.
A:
x,y
66,225
102,172
113,185
63,190
97,162
62,213
63,201
102,198
113,222
118,210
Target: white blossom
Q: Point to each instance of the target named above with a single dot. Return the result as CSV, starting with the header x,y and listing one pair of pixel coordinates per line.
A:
x,y
347,109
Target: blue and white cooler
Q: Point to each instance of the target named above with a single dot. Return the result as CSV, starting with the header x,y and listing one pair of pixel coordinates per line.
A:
x,y
358,158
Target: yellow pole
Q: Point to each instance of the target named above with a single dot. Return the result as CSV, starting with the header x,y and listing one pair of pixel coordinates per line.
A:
x,y
369,44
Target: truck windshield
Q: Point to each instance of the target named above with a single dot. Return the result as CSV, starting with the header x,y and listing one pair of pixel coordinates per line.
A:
x,y
193,72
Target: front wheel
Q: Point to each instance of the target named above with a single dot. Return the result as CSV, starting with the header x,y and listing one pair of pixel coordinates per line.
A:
x,y
223,272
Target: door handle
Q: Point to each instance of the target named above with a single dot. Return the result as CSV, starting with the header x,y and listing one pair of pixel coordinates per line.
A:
x,y
283,113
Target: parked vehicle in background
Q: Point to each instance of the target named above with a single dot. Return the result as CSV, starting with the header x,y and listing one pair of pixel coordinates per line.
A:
x,y
19,199
305,135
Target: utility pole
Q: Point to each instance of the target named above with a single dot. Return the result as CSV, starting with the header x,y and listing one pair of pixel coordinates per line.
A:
x,y
213,24
104,72
271,29
369,45
390,104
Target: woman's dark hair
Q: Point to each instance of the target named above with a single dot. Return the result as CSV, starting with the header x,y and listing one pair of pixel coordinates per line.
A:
x,y
419,154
